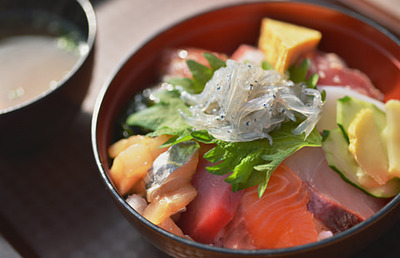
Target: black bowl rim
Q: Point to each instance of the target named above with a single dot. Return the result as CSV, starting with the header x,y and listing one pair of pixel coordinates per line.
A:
x,y
89,12
282,251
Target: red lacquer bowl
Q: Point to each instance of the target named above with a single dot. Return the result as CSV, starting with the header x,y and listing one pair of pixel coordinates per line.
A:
x,y
362,44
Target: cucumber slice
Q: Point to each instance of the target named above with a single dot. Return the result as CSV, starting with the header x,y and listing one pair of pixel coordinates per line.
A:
x,y
340,160
348,107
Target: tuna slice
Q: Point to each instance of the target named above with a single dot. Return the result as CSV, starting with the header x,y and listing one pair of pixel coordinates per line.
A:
x,y
333,216
276,220
311,166
212,209
332,70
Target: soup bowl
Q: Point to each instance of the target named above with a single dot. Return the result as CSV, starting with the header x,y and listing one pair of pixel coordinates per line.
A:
x,y
361,43
47,48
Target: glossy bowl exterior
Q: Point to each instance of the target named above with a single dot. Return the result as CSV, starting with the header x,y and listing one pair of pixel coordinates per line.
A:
x,y
362,44
29,126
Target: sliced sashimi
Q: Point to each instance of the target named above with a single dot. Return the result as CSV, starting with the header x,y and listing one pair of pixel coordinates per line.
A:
x,y
278,219
311,166
235,234
330,214
174,61
246,53
170,189
332,70
212,209
133,158
177,164
169,225
153,144
139,203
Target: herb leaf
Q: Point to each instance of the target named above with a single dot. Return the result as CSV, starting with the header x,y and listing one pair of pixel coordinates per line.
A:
x,y
298,73
185,83
247,163
252,163
163,117
215,62
201,74
267,66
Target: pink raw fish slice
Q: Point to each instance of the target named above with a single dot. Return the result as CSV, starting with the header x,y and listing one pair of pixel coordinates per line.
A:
x,y
311,166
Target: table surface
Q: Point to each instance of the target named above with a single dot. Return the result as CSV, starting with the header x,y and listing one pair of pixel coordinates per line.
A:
x,y
53,203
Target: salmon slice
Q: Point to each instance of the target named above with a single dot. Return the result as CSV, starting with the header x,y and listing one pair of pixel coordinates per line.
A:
x,y
276,220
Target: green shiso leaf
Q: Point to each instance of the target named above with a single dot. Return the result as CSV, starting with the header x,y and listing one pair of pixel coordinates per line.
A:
x,y
252,163
215,62
246,163
185,83
298,74
201,74
203,136
164,117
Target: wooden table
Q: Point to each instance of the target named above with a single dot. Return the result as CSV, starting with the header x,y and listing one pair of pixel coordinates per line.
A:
x,y
53,203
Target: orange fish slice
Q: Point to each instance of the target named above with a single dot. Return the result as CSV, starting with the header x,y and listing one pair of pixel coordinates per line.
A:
x,y
280,218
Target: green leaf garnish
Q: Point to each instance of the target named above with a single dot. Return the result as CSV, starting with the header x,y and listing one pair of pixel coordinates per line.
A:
x,y
185,83
298,74
215,62
267,66
163,117
203,136
201,74
246,163
252,163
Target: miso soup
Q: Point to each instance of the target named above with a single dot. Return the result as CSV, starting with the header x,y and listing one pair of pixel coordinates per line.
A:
x,y
37,50
30,65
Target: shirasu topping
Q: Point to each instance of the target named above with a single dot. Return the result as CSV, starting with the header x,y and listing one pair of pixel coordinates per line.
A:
x,y
243,102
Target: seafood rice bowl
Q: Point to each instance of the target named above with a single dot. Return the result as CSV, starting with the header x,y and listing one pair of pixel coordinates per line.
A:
x,y
263,134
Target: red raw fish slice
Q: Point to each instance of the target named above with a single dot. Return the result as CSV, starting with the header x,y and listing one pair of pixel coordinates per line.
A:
x,y
213,208
276,220
333,216
333,71
174,61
